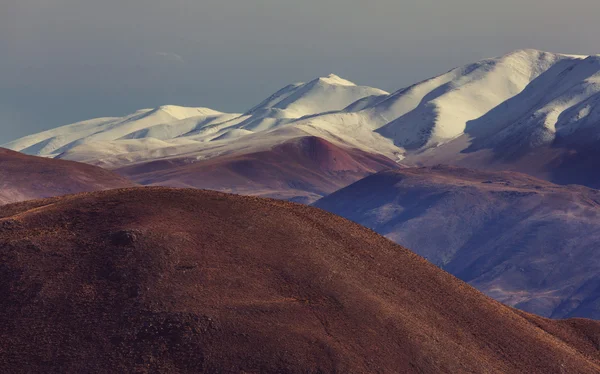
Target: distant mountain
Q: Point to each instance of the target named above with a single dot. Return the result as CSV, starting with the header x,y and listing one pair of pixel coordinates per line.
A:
x,y
171,130
25,177
528,111
526,242
244,153
188,281
123,134
324,94
550,129
439,109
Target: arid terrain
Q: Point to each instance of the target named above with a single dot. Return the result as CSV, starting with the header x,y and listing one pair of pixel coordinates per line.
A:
x,y
165,280
304,170
25,177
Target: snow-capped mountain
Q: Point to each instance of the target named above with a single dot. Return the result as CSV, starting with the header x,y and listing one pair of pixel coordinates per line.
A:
x,y
439,109
164,123
324,94
551,129
560,104
492,112
170,130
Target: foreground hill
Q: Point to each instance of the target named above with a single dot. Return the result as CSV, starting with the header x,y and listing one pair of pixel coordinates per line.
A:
x,y
303,169
161,280
25,177
521,240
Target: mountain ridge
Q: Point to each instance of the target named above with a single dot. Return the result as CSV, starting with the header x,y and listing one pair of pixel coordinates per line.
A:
x,y
527,111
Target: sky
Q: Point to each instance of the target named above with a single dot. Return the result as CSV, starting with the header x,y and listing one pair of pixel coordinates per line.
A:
x,y
64,61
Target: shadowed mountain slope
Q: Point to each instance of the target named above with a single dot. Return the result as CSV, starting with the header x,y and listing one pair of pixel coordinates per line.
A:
x,y
524,241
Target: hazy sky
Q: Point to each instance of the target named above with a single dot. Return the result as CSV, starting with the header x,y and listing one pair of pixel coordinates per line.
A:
x,y
68,60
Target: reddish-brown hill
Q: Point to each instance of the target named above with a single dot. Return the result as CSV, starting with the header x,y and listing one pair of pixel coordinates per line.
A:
x,y
162,280
302,170
24,177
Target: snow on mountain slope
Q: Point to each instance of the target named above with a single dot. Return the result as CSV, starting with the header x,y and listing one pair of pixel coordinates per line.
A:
x,y
324,94
98,152
503,106
232,134
559,104
299,100
162,123
438,110
161,130
41,143
171,130
526,242
550,130
354,129
196,148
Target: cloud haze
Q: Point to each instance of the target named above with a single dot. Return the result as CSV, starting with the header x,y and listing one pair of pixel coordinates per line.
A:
x,y
68,60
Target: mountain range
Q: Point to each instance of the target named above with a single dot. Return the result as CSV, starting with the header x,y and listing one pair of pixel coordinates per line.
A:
x,y
528,111
486,171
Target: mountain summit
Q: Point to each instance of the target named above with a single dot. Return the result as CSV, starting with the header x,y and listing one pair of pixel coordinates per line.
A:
x,y
323,94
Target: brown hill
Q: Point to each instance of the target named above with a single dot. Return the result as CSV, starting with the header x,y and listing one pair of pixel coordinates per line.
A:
x,y
162,280
526,242
303,170
25,177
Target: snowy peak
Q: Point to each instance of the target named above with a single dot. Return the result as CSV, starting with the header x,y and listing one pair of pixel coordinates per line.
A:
x,y
439,109
323,94
336,80
537,52
180,112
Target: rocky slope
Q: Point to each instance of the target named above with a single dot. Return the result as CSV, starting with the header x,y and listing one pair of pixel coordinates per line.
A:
x,y
161,280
